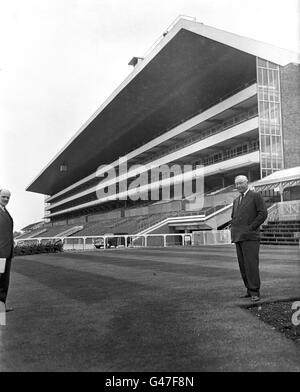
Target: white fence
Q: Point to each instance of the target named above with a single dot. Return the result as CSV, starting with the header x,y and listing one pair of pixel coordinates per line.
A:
x,y
211,237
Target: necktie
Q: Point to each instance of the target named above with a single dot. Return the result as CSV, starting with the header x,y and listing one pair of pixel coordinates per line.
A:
x,y
241,198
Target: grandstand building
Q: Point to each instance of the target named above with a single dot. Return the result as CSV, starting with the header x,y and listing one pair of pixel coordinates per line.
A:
x,y
202,96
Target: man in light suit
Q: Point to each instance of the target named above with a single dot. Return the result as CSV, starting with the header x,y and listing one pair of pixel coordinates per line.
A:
x,y
248,213
6,244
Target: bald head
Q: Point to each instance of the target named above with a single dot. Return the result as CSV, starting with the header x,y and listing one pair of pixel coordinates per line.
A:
x,y
4,197
241,183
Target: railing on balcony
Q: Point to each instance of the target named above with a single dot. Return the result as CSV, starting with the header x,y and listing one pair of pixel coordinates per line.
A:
x,y
251,113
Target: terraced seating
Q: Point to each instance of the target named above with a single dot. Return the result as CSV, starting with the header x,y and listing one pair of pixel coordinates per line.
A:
x,y
280,233
31,234
153,219
100,227
55,231
128,225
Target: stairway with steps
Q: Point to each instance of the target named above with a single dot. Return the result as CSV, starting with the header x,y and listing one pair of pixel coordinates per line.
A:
x,y
280,233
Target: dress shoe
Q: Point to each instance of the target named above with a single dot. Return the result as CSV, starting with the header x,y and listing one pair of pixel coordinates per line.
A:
x,y
255,298
245,296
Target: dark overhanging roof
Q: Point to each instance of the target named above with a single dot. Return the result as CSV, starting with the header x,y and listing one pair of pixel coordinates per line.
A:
x,y
188,74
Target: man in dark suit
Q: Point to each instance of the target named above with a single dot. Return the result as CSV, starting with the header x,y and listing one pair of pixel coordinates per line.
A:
x,y
6,244
248,213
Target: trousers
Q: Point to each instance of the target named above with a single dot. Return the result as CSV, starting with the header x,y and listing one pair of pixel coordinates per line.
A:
x,y
4,281
248,258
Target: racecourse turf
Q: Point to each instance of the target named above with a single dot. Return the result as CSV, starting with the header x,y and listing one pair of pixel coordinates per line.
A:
x,y
154,309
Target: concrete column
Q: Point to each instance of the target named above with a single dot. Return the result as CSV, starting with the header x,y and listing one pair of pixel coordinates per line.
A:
x,y
223,182
281,195
249,175
281,190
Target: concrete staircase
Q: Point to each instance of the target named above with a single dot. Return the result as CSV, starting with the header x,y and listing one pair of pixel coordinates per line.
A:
x,y
281,233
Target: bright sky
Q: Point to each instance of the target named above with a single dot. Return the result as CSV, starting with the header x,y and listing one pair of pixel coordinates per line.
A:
x,y
60,59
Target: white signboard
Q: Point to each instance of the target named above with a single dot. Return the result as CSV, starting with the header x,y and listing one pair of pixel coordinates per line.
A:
x,y
2,265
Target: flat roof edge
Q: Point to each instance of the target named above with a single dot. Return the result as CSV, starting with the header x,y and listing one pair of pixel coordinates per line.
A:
x,y
270,52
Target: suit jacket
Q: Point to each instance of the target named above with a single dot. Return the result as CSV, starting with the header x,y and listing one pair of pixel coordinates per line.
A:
x,y
6,235
247,217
